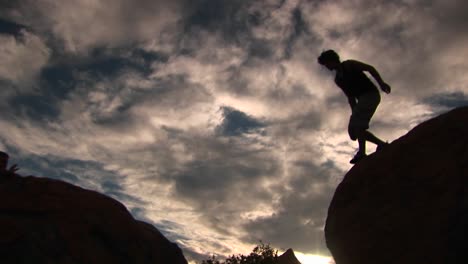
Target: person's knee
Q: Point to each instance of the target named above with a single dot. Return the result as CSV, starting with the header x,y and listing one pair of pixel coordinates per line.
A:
x,y
361,133
356,133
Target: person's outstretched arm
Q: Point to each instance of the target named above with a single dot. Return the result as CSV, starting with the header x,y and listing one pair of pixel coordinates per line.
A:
x,y
369,68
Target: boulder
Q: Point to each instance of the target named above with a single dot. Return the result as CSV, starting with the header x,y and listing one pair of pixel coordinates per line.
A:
x,y
407,204
49,221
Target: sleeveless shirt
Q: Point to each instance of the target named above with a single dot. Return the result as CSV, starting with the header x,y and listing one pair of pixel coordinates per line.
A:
x,y
352,81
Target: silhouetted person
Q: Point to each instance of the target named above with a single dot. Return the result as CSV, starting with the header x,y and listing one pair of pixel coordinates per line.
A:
x,y
363,97
4,171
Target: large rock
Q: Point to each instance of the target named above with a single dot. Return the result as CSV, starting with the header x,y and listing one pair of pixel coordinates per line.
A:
x,y
49,221
409,203
288,257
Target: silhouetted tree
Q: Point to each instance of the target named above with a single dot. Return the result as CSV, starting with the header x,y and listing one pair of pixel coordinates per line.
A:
x,y
261,254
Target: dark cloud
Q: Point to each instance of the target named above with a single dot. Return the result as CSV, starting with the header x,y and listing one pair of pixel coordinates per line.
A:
x,y
260,49
451,16
58,81
238,84
112,187
72,81
114,24
299,27
5,5
110,66
236,123
61,73
11,28
221,169
146,58
447,101
225,179
298,125
39,108
229,17
236,20
44,167
77,172
177,92
300,215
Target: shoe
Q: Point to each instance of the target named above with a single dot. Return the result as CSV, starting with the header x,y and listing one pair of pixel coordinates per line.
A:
x,y
359,156
381,147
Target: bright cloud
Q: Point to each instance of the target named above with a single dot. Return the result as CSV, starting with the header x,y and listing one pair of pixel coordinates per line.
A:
x,y
22,57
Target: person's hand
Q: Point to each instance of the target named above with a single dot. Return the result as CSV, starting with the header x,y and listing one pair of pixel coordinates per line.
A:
x,y
386,88
13,169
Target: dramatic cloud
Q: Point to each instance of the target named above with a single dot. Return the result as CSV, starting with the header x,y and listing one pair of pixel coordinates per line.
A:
x,y
236,123
211,119
80,26
23,55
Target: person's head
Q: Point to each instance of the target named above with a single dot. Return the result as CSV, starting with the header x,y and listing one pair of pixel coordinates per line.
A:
x,y
3,160
329,59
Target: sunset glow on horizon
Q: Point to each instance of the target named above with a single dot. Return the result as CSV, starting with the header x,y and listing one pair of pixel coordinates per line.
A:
x,y
313,259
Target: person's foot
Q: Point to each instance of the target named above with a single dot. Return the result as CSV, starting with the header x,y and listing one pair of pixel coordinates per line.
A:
x,y
382,146
359,156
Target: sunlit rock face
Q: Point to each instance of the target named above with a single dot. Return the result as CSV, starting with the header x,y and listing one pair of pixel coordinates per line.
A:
x,y
408,203
50,221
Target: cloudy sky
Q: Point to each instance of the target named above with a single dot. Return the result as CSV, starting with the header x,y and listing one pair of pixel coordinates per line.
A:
x,y
211,119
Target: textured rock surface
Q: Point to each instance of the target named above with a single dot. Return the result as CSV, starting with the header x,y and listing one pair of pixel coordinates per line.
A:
x,y
409,203
49,221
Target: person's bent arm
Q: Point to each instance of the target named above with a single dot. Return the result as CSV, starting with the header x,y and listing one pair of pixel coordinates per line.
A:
x,y
374,73
383,85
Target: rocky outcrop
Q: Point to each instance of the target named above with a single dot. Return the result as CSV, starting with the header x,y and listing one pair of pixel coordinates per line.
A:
x,y
288,257
50,221
408,203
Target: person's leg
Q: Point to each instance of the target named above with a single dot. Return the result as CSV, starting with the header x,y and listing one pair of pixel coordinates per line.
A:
x,y
362,142
362,147
368,136
359,123
367,105
362,137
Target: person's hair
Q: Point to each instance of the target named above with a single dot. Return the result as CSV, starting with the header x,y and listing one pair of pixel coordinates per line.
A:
x,y
4,155
329,55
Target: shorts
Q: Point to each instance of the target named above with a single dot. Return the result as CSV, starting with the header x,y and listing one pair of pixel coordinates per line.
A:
x,y
362,113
